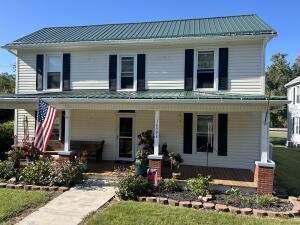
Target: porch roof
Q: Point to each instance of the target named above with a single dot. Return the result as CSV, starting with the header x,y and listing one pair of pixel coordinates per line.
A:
x,y
143,95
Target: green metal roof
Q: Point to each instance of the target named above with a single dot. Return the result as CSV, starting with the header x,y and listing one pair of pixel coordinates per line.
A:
x,y
149,94
216,26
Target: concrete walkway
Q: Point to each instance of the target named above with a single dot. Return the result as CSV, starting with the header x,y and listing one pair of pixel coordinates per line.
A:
x,y
72,206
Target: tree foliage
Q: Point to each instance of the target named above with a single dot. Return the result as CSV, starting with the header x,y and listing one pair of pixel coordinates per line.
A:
x,y
7,83
278,74
7,86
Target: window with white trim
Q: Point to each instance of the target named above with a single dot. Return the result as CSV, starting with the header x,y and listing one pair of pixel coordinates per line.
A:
x,y
127,73
296,121
298,95
205,133
205,69
54,72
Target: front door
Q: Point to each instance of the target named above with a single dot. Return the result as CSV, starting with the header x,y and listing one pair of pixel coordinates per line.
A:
x,y
126,137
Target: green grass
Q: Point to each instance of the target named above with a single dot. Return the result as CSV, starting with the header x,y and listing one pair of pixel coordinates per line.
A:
x,y
287,171
278,137
138,213
14,202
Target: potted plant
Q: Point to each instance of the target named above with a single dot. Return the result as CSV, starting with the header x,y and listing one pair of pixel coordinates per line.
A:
x,y
176,160
146,141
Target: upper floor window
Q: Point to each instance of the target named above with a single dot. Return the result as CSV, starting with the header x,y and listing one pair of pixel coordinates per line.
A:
x,y
54,71
206,69
127,75
298,95
205,134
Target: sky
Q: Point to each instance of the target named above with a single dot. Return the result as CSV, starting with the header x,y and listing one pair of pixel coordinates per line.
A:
x,y
21,17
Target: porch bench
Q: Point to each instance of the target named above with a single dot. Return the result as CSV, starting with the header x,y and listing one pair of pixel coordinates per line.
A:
x,y
94,148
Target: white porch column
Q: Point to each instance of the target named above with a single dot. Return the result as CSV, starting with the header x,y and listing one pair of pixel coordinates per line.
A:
x,y
156,133
264,145
156,160
67,130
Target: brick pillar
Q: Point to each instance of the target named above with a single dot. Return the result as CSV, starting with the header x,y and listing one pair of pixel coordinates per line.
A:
x,y
263,178
157,165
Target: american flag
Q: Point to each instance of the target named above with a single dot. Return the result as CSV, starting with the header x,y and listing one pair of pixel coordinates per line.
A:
x,y
44,125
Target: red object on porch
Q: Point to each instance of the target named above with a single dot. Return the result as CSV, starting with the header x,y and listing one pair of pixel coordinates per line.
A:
x,y
152,177
263,178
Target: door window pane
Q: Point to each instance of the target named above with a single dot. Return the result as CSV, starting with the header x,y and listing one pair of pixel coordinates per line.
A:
x,y
125,147
205,69
204,133
53,72
125,137
127,72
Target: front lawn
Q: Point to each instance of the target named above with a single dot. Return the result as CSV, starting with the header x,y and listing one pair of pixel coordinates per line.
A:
x,y
287,171
139,213
14,202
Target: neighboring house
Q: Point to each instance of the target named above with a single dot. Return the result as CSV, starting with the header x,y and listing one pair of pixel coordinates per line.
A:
x,y
293,112
198,83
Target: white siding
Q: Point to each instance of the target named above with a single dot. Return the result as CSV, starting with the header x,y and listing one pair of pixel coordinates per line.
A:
x,y
244,69
243,144
293,111
89,70
26,69
164,67
20,117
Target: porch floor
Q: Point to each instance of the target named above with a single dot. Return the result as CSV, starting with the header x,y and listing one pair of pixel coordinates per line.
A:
x,y
221,176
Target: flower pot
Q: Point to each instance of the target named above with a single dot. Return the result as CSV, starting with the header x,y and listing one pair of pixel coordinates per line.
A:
x,y
141,170
176,175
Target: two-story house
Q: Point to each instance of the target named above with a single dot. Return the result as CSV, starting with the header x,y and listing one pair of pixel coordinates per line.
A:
x,y
199,84
293,112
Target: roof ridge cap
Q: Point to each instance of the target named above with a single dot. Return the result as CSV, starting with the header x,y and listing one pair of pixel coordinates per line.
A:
x,y
154,21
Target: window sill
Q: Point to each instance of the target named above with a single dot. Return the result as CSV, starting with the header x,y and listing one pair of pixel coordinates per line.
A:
x,y
126,90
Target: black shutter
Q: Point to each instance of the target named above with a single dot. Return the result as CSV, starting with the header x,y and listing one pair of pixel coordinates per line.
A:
x,y
39,72
222,134
189,69
188,133
35,118
113,72
66,72
141,63
62,127
223,68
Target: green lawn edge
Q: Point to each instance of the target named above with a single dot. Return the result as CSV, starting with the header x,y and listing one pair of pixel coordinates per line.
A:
x,y
142,213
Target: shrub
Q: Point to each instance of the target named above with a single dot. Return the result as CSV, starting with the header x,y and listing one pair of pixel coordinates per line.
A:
x,y
199,186
7,170
38,173
14,156
266,200
168,185
6,137
67,173
129,186
46,171
233,191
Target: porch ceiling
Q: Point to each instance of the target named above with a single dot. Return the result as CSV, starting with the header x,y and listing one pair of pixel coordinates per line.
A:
x,y
84,99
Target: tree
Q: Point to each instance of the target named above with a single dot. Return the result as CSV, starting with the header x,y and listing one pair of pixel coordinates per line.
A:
x,y
7,83
7,86
296,67
278,74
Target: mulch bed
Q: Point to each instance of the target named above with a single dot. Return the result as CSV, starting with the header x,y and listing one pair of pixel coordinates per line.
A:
x,y
219,198
280,206
178,196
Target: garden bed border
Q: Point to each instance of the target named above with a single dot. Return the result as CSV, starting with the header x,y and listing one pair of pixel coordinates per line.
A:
x,y
30,187
295,212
